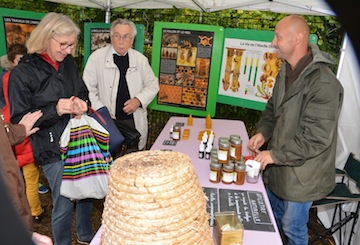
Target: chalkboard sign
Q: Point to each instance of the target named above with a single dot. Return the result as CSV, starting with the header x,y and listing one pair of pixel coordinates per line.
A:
x,y
249,206
212,203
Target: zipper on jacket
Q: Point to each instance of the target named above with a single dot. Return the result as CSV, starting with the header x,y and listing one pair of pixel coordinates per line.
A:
x,y
51,136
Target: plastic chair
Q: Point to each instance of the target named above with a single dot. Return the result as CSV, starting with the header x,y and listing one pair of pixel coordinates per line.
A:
x,y
340,195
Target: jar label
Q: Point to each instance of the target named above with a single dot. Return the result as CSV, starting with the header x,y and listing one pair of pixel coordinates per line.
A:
x,y
222,155
213,175
228,177
176,135
232,151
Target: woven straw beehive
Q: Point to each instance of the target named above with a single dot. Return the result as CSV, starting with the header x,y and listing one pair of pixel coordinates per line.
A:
x,y
154,197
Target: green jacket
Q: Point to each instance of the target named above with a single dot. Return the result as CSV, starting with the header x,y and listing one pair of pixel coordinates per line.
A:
x,y
301,127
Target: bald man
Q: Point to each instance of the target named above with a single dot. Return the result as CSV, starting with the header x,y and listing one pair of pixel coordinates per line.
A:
x,y
298,129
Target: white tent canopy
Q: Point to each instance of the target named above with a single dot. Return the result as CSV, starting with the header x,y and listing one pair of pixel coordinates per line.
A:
x,y
308,7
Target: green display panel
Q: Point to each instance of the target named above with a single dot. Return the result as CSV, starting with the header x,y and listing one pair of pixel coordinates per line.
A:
x,y
249,68
185,58
16,26
97,35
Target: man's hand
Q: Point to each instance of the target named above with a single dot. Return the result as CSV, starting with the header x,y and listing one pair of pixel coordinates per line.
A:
x,y
264,157
131,105
28,120
255,143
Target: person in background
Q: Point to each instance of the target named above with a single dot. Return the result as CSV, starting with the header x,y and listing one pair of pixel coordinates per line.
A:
x,y
12,57
121,79
299,124
23,151
17,223
48,79
14,53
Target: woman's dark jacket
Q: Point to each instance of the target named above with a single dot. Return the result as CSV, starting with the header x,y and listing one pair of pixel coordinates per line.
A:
x,y
35,85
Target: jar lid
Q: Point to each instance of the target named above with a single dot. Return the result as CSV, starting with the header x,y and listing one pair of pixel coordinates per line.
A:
x,y
235,136
236,141
214,160
223,139
240,166
177,127
225,144
228,167
215,165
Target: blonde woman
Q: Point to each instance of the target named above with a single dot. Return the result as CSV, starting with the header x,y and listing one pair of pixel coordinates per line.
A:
x,y
48,79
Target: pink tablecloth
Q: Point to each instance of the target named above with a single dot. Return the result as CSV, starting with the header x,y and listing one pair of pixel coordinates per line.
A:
x,y
221,128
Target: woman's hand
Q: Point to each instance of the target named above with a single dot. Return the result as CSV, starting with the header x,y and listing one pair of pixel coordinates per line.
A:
x,y
73,105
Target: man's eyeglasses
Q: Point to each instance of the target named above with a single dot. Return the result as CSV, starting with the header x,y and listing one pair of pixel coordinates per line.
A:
x,y
126,37
64,46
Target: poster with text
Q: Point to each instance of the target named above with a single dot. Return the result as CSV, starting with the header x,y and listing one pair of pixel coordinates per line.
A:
x,y
249,68
16,26
97,35
17,30
185,58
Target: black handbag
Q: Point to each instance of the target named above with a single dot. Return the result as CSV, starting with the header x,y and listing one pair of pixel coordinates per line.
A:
x,y
102,115
131,135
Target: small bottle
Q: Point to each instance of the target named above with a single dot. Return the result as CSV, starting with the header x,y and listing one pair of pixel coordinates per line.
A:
x,y
211,140
176,133
239,174
215,171
204,138
228,174
212,136
223,152
207,152
208,122
235,149
201,151
171,131
190,120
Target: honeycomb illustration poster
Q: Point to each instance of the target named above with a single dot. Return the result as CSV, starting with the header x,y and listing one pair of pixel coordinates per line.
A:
x,y
186,67
249,68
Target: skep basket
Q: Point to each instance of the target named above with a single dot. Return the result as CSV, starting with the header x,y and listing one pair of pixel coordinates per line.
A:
x,y
154,197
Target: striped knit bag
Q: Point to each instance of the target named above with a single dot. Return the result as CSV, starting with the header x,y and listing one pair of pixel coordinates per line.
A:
x,y
84,150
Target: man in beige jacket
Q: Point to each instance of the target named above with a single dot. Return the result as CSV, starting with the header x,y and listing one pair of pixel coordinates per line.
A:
x,y
121,79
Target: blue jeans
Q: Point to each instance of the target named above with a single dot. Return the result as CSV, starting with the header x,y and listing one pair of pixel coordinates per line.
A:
x,y
62,212
291,218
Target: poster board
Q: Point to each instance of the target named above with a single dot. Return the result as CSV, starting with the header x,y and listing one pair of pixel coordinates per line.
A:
x,y
185,58
249,68
16,26
97,35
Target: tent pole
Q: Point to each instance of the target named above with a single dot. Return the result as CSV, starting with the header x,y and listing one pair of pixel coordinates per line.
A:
x,y
108,11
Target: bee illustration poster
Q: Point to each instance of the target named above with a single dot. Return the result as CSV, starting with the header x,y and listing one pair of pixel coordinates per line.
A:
x,y
15,28
249,68
185,59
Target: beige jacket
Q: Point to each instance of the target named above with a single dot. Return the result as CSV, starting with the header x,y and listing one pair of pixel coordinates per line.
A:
x,y
101,76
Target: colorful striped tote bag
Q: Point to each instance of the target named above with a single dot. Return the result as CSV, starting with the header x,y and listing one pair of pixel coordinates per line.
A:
x,y
84,150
